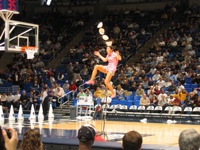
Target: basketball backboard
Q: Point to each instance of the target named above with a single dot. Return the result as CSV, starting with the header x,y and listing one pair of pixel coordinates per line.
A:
x,y
18,35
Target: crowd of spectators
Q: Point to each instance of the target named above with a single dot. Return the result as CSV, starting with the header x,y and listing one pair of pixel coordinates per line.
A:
x,y
159,79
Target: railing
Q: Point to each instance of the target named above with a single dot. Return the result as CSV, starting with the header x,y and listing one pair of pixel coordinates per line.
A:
x,y
61,98
67,95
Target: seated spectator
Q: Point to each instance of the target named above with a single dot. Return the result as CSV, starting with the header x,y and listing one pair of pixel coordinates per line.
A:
x,y
153,101
139,91
175,102
197,102
170,99
98,93
88,93
10,99
120,92
66,85
180,87
150,83
81,93
23,99
156,76
86,135
39,64
125,85
150,90
156,90
145,83
162,101
79,81
189,139
4,99
162,94
168,83
132,140
172,87
152,70
133,87
72,88
161,82
183,95
192,98
31,140
144,100
176,94
151,95
8,141
59,92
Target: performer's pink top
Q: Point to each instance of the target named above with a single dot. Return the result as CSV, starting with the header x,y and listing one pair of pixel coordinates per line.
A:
x,y
112,62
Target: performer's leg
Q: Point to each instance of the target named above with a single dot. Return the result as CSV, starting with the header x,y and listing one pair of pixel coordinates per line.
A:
x,y
97,68
108,85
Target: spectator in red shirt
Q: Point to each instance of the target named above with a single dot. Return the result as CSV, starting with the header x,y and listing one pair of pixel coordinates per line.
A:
x,y
156,91
73,88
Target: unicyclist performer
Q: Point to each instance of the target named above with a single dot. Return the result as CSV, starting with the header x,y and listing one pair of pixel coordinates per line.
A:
x,y
113,58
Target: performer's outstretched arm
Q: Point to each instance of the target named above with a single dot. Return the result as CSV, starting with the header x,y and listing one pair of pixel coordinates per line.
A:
x,y
101,57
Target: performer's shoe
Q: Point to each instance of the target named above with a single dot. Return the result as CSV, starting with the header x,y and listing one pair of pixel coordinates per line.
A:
x,y
90,82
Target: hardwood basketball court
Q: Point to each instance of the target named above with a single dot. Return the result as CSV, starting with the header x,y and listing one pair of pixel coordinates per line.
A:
x,y
153,133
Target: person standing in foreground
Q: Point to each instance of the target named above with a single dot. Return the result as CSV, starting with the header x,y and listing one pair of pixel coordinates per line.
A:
x,y
132,140
112,57
189,139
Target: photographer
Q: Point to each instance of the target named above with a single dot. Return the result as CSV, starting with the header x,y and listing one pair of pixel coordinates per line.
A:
x,y
48,99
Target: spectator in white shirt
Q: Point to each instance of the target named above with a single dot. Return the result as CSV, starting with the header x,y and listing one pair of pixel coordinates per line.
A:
x,y
44,94
150,90
168,83
16,98
156,76
59,92
162,94
152,70
52,79
65,85
161,82
159,58
10,99
180,87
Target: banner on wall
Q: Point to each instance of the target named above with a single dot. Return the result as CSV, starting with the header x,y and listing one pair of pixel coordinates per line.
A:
x,y
9,5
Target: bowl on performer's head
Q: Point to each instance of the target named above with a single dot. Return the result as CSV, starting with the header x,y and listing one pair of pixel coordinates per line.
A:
x,y
108,43
100,25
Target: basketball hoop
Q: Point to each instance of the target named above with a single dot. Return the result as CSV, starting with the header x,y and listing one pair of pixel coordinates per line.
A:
x,y
30,51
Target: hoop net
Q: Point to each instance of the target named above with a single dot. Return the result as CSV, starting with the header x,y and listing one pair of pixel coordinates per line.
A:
x,y
30,51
